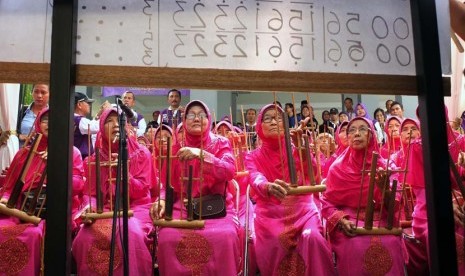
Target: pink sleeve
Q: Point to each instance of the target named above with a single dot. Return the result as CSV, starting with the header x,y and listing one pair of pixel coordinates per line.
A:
x,y
331,213
140,175
78,172
221,164
257,180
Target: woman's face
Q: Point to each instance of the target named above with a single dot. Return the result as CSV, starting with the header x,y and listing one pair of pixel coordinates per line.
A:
x,y
223,131
343,118
326,116
272,124
162,140
305,112
360,111
359,134
196,120
379,116
343,136
405,132
111,131
44,125
393,128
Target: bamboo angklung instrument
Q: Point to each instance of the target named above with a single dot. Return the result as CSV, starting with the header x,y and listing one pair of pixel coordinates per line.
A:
x,y
98,183
368,228
10,208
168,220
295,189
91,215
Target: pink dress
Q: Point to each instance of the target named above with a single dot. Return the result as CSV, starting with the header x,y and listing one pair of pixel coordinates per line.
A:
x,y
21,243
289,238
418,252
362,254
91,246
215,249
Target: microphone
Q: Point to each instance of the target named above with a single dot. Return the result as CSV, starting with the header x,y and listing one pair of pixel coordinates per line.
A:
x,y
129,113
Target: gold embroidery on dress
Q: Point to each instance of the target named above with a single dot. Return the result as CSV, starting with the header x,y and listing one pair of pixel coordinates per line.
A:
x,y
98,255
292,263
377,260
193,251
14,254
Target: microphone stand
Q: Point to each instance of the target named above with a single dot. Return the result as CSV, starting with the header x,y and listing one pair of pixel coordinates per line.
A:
x,y
121,180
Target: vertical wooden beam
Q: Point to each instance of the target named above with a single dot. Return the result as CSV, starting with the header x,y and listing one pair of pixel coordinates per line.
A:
x,y
59,169
443,260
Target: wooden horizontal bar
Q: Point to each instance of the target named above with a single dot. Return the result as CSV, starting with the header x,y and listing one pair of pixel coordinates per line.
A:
x,y
220,79
177,223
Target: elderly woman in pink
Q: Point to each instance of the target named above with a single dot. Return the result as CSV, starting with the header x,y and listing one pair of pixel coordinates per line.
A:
x,y
21,243
341,142
91,247
418,251
393,143
288,230
213,250
367,254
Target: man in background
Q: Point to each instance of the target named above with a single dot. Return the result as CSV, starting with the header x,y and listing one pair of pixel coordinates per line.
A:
x,y
40,96
172,116
139,123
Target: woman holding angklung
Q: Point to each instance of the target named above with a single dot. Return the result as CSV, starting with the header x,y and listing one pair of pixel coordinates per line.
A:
x,y
91,247
345,205
214,249
20,243
288,230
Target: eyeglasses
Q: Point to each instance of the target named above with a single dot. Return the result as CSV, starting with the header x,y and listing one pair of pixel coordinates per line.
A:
x,y
362,130
192,116
269,119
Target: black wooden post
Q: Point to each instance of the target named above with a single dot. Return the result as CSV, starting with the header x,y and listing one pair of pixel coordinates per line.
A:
x,y
60,140
442,253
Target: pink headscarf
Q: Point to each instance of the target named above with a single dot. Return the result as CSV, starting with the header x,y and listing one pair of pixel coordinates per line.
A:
x,y
271,159
223,123
344,178
393,144
140,169
37,164
193,140
340,147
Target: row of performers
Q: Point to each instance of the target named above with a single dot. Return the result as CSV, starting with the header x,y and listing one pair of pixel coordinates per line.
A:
x,y
322,230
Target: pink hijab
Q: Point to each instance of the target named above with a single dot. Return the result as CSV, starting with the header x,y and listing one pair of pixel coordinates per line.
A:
x,y
193,140
37,164
345,177
270,159
393,144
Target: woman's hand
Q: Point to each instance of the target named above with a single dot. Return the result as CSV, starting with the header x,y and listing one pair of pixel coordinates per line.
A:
x,y
278,189
157,211
347,227
188,153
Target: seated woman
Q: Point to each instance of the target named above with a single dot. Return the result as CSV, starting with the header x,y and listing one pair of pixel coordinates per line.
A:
x,y
213,250
21,243
419,250
342,143
91,247
237,140
288,230
392,144
326,149
365,254
161,134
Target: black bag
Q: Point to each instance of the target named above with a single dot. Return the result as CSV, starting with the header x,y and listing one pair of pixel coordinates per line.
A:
x,y
213,206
